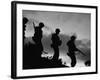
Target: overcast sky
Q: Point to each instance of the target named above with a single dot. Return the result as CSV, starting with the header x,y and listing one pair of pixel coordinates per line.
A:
x,y
69,23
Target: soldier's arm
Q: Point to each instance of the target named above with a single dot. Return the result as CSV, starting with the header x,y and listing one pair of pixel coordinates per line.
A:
x,y
76,49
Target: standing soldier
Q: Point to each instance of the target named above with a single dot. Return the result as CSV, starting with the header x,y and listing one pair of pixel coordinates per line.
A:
x,y
71,50
56,42
38,36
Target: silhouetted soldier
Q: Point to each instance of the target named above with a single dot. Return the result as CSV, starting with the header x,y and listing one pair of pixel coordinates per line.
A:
x,y
25,20
56,42
71,50
38,36
26,56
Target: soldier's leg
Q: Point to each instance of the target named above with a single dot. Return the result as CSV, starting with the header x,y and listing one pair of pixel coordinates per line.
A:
x,y
73,60
41,46
56,53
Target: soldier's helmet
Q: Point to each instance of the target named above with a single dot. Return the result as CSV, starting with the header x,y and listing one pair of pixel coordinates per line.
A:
x,y
57,30
73,37
41,24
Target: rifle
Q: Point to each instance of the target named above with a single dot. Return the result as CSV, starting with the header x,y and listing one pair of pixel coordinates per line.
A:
x,y
33,24
46,27
81,52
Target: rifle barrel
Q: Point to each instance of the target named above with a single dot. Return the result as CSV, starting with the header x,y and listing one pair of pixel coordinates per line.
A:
x,y
81,52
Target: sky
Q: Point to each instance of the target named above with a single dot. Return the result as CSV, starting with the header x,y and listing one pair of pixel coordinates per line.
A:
x,y
69,23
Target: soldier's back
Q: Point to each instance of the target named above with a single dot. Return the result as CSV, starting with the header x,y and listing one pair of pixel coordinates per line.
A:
x,y
71,45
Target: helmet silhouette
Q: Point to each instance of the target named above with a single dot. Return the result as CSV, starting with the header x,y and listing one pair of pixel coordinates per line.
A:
x,y
57,30
41,24
73,37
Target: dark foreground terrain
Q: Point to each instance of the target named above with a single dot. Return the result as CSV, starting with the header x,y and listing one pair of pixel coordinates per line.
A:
x,y
32,59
